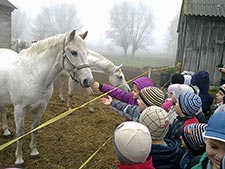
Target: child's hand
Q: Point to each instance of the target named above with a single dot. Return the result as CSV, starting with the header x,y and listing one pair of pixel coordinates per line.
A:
x,y
96,85
222,70
106,101
183,145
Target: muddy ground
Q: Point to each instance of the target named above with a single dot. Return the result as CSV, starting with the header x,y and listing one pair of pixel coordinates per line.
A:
x,y
69,142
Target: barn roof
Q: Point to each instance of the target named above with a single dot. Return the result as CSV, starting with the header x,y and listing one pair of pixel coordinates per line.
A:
x,y
7,4
204,7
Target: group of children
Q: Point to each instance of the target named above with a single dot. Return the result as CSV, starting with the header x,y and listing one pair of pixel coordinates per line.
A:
x,y
175,130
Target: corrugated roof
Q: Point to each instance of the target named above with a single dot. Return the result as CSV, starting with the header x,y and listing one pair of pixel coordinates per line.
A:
x,y
204,7
6,3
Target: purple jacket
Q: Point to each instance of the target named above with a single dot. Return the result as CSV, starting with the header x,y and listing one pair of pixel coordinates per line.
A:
x,y
124,96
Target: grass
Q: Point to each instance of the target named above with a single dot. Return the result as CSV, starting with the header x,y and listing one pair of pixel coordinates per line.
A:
x,y
141,60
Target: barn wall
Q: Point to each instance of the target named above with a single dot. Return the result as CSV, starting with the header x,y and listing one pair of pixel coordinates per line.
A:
x,y
197,48
5,29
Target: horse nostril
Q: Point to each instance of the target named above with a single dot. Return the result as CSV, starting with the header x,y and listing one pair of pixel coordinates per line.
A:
x,y
86,83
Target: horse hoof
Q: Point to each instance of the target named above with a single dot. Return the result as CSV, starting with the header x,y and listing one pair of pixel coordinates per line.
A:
x,y
8,136
20,166
34,157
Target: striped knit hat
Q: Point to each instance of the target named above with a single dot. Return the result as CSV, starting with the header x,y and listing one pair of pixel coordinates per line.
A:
x,y
193,138
190,103
222,88
152,96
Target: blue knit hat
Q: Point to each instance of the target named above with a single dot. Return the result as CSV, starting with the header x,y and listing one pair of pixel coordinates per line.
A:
x,y
190,103
216,127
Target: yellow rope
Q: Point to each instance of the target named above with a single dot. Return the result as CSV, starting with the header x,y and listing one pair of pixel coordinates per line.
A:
x,y
62,115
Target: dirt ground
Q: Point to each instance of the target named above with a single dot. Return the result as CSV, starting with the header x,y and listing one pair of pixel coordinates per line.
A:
x,y
69,142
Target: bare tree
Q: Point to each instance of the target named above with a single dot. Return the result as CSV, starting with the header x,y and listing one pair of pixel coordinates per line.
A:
x,y
172,37
54,20
131,25
120,31
20,21
142,26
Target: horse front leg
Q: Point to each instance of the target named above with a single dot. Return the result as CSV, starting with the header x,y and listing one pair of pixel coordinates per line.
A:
x,y
19,116
5,126
61,87
90,96
71,86
36,117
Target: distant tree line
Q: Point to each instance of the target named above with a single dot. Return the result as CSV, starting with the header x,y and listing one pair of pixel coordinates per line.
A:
x,y
131,24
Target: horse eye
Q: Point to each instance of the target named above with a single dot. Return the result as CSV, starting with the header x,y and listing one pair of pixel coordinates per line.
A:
x,y
74,53
120,77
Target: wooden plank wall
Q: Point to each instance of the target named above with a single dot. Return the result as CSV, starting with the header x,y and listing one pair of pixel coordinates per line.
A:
x,y
197,48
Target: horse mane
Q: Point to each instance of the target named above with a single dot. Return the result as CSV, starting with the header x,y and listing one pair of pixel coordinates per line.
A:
x,y
43,45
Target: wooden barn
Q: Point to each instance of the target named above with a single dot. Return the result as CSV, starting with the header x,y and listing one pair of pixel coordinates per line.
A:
x,y
6,9
201,36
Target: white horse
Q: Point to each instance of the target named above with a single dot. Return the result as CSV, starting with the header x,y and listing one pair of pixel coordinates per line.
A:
x,y
99,64
26,79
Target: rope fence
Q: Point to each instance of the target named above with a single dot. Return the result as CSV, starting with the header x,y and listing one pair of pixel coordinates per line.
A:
x,y
68,112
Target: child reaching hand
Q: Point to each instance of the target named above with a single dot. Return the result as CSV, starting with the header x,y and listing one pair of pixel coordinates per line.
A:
x,y
119,94
149,96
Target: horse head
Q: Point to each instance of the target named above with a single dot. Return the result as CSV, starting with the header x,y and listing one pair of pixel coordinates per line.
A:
x,y
75,59
117,78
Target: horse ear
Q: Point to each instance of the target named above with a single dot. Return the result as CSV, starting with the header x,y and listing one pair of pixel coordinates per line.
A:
x,y
72,34
118,67
83,36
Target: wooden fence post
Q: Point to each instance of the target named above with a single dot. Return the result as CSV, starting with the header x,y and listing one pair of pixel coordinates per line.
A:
x,y
149,72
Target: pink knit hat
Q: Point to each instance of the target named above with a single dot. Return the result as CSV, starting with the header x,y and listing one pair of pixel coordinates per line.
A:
x,y
167,104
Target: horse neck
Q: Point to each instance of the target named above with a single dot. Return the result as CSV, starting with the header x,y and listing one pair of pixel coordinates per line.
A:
x,y
43,55
100,62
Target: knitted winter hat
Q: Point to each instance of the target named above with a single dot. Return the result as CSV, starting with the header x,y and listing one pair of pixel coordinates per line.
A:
x,y
215,129
156,119
222,88
201,79
171,87
221,108
143,82
178,89
187,79
132,142
190,103
167,104
193,138
152,96
177,78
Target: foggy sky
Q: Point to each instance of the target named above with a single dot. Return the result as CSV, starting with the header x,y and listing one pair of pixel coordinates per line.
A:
x,y
94,16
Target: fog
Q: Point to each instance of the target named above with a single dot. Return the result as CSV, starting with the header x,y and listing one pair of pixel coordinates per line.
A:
x,y
94,16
